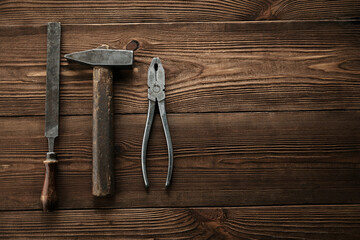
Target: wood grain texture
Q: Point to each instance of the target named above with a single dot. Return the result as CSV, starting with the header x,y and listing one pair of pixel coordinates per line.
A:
x,y
220,159
48,196
102,132
291,222
283,152
85,11
210,67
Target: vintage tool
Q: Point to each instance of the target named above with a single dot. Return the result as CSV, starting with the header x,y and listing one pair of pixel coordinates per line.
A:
x,y
48,195
156,93
102,59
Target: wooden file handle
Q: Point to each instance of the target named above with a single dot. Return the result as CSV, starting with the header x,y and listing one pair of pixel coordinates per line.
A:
x,y
48,194
103,169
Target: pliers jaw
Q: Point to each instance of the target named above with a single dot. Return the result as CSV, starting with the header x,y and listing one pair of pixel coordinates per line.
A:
x,y
156,80
156,93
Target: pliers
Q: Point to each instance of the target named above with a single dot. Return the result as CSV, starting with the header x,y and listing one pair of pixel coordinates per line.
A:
x,y
156,93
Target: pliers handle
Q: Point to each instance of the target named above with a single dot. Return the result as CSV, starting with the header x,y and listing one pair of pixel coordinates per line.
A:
x,y
156,94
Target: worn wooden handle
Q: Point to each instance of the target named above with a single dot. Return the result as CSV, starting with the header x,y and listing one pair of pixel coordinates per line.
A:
x,y
103,169
48,194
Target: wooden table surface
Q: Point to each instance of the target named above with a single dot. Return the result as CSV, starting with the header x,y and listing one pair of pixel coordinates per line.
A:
x,y
263,103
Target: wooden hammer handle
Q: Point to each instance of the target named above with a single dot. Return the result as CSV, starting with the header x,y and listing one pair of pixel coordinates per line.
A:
x,y
48,195
103,169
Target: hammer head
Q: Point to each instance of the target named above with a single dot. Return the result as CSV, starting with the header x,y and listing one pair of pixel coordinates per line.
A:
x,y
103,57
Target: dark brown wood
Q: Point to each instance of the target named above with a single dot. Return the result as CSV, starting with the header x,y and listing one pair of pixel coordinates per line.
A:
x,y
220,159
49,194
133,45
290,222
278,153
102,130
210,67
16,12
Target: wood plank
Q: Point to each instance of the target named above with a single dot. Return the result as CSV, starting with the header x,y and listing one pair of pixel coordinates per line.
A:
x,y
85,11
220,159
284,222
210,67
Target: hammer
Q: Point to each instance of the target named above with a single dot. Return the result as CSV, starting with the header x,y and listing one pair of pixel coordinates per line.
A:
x,y
103,59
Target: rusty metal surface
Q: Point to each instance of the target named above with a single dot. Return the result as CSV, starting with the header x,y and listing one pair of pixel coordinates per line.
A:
x,y
156,94
52,83
103,57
